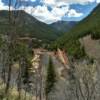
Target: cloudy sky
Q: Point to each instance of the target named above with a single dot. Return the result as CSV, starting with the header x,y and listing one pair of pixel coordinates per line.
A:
x,y
50,11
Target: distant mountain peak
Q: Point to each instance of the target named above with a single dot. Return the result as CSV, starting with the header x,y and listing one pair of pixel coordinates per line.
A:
x,y
63,26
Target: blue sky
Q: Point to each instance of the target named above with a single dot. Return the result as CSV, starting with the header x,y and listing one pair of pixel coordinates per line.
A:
x,y
50,11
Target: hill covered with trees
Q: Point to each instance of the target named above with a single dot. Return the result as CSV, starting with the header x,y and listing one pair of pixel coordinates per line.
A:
x,y
63,26
70,40
27,26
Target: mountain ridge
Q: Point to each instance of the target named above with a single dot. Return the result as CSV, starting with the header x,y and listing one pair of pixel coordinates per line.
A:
x,y
27,25
70,40
63,26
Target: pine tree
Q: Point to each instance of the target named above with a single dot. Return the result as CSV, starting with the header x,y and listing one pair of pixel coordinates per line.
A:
x,y
51,78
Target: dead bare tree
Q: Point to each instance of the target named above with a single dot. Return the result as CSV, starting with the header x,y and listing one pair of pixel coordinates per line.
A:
x,y
11,47
11,43
83,84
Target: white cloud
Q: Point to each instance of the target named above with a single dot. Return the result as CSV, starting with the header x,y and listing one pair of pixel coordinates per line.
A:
x,y
48,2
28,9
33,0
43,14
73,13
28,0
4,7
60,11
76,1
55,2
98,1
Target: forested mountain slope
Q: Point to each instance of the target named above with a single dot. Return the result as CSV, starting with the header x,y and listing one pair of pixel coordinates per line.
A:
x,y
27,25
63,26
70,40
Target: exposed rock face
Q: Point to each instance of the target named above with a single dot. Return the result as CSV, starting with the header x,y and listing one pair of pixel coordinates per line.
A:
x,y
92,47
